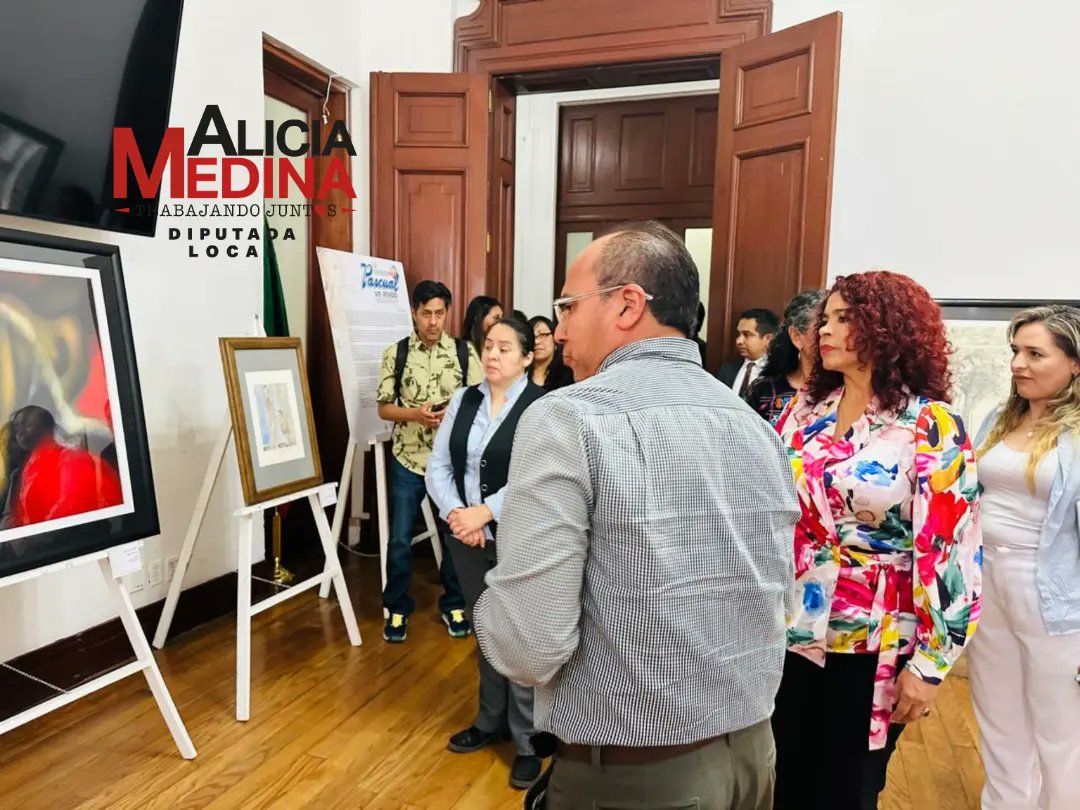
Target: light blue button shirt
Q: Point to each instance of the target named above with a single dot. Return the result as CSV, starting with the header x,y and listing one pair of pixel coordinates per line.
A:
x,y
1057,567
441,485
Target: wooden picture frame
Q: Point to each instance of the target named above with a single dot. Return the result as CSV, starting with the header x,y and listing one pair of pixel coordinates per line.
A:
x,y
284,457
992,309
976,329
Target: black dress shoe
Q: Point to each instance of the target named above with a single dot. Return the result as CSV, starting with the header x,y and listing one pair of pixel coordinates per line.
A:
x,y
525,770
472,739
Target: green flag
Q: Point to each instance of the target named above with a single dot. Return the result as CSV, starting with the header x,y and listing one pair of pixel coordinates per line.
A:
x,y
275,319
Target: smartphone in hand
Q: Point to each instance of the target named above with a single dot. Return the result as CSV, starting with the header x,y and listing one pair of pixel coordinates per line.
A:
x,y
439,407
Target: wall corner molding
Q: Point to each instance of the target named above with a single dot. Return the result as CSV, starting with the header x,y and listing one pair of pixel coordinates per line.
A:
x,y
504,37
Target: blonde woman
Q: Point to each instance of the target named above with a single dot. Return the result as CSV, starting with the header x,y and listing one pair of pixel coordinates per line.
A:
x,y
1026,655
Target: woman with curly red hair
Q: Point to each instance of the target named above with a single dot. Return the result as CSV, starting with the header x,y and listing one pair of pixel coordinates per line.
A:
x,y
888,548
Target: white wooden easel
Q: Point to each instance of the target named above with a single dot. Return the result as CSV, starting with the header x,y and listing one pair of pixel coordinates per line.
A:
x,y
251,521
144,657
251,524
378,446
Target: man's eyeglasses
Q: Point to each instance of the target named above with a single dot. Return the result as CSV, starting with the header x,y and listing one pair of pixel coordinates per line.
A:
x,y
562,305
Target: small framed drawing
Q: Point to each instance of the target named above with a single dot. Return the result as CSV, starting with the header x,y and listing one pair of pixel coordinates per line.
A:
x,y
980,363
270,406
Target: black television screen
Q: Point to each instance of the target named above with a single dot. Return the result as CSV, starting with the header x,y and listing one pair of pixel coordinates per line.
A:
x,y
71,71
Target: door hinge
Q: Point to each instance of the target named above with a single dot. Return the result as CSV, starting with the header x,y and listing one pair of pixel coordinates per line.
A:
x,y
489,241
491,101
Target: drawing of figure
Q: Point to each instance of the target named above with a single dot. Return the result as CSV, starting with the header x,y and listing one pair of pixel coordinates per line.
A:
x,y
46,477
288,435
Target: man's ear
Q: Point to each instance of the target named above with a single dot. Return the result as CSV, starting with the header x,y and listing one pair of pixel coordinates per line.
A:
x,y
629,301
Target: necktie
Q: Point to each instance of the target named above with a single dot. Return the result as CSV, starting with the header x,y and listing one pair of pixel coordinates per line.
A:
x,y
745,385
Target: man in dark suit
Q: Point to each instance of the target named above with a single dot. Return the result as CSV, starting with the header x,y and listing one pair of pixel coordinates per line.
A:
x,y
754,333
695,332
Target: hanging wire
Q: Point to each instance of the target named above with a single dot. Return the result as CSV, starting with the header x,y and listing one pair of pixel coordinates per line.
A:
x,y
326,101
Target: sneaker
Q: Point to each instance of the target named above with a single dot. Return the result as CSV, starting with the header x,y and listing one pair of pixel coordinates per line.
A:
x,y
396,628
456,623
472,739
525,770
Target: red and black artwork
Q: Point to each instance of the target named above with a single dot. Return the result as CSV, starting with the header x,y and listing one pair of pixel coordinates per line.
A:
x,y
74,465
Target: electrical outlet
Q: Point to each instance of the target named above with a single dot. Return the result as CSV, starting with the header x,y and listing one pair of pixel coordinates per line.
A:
x,y
135,582
153,574
170,568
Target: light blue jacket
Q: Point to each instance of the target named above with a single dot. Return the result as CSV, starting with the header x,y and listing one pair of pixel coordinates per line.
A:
x,y
441,484
1057,571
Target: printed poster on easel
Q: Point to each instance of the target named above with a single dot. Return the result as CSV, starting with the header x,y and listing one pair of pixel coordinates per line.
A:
x,y
368,303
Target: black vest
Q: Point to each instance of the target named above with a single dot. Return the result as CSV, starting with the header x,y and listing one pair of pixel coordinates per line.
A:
x,y
495,462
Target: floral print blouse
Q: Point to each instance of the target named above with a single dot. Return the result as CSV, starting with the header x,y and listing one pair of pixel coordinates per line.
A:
x,y
888,552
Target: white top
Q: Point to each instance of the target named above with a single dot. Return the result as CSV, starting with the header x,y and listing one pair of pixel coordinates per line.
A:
x,y
1010,515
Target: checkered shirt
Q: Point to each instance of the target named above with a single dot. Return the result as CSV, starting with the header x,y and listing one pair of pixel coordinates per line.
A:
x,y
644,555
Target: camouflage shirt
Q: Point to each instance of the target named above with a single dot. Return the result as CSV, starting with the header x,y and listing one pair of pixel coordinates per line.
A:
x,y
430,375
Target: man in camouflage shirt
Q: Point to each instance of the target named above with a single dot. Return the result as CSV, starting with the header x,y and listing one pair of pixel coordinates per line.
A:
x,y
431,374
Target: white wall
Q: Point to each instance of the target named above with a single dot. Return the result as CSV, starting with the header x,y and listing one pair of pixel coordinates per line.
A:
x,y
955,164
955,153
956,158
179,307
537,177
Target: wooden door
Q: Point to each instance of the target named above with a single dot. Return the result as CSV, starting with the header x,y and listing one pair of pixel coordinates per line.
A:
x,y
304,88
429,179
500,279
777,121
633,160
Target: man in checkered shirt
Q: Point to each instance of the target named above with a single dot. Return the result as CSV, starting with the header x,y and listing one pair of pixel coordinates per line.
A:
x,y
644,551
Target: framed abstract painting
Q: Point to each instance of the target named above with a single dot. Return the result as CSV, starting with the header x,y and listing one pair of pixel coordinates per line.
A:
x,y
75,474
270,408
977,330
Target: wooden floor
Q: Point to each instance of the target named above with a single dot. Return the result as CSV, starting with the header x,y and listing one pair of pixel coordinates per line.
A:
x,y
336,726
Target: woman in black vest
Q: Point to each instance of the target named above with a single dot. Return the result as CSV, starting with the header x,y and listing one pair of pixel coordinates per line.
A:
x,y
466,479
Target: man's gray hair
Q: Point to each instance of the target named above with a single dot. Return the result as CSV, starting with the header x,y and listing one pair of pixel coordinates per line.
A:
x,y
653,256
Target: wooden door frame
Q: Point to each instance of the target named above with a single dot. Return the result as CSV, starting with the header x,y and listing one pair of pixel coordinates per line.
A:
x,y
286,74
292,76
482,43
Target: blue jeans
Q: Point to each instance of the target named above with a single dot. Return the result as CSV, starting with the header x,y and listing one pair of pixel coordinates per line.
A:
x,y
408,494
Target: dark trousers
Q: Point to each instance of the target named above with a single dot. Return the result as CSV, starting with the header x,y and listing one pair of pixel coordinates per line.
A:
x,y
822,730
408,495
502,703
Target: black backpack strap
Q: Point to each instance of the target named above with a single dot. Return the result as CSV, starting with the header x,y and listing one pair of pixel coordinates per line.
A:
x,y
399,367
463,359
